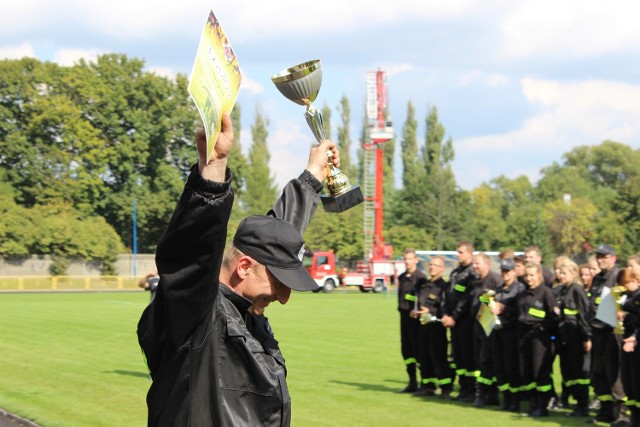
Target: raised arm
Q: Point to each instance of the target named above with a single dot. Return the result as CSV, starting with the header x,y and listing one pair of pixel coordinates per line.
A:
x,y
298,200
190,251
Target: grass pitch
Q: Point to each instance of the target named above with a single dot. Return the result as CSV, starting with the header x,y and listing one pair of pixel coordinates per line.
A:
x,y
72,359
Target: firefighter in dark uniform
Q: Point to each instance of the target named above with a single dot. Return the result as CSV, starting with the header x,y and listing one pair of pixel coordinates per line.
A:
x,y
506,364
605,351
408,282
574,336
483,288
456,317
537,314
630,356
434,367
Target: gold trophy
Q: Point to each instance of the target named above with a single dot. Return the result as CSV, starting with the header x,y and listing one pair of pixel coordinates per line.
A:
x,y
301,84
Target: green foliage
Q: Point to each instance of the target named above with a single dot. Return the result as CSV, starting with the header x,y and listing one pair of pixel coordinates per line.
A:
x,y
344,140
261,192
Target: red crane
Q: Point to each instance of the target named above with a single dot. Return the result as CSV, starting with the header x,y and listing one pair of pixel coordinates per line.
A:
x,y
380,131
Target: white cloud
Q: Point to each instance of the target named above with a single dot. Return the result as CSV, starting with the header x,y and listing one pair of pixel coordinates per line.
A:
x,y
570,114
475,77
17,52
68,57
162,71
573,28
251,86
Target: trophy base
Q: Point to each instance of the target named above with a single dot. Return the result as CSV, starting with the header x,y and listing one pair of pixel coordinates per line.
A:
x,y
341,203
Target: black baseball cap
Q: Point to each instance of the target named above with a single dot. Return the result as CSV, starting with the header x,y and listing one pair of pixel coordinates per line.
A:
x,y
605,250
277,245
507,264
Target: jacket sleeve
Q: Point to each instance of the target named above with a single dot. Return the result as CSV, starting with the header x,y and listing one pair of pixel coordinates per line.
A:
x,y
298,201
188,257
584,307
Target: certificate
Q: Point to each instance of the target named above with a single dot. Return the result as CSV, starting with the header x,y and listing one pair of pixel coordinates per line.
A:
x,y
215,79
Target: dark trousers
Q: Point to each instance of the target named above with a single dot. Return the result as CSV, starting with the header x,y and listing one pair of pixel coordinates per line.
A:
x,y
605,365
463,353
574,366
483,349
630,370
536,361
506,359
434,366
409,329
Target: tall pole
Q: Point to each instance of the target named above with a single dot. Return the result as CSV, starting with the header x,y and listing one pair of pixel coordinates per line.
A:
x,y
134,243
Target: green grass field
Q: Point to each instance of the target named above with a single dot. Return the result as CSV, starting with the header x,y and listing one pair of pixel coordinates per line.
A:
x,y
72,359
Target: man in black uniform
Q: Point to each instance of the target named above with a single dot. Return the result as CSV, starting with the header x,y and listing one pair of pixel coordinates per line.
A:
x,y
432,347
210,349
456,316
606,347
408,282
487,282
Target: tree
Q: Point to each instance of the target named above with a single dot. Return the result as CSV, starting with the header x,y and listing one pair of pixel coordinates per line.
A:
x,y
439,205
326,120
261,192
344,140
412,167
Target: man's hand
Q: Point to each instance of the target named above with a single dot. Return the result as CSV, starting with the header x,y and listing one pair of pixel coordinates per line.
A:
x,y
448,321
318,159
214,167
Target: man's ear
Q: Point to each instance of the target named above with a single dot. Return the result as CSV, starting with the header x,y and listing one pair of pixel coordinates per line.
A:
x,y
244,264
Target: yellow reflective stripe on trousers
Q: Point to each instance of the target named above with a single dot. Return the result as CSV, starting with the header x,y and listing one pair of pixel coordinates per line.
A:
x,y
605,398
445,381
429,381
537,313
410,297
544,388
570,312
410,360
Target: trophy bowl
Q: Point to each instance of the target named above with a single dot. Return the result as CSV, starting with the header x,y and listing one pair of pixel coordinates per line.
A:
x,y
300,83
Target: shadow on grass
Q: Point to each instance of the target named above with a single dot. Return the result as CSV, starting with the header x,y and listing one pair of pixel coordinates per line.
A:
x,y
129,373
373,387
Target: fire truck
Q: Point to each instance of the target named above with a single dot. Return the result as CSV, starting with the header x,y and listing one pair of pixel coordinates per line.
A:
x,y
378,269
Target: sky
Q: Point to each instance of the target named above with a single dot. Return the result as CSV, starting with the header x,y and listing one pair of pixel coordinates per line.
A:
x,y
516,83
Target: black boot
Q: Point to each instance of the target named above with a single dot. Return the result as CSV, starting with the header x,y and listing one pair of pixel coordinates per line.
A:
x,y
492,396
515,403
605,413
541,410
533,404
581,394
506,400
413,383
481,396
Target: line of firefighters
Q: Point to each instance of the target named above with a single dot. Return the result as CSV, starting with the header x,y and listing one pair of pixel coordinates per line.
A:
x,y
499,333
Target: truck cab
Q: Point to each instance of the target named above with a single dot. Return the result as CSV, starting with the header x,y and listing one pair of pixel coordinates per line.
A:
x,y
321,266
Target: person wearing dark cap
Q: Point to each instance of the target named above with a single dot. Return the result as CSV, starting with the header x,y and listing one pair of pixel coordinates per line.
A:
x,y
210,350
606,346
505,340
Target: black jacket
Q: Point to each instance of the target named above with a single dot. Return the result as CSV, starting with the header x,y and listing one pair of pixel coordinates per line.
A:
x,y
509,298
478,287
431,294
213,363
536,309
600,281
457,297
408,283
575,312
